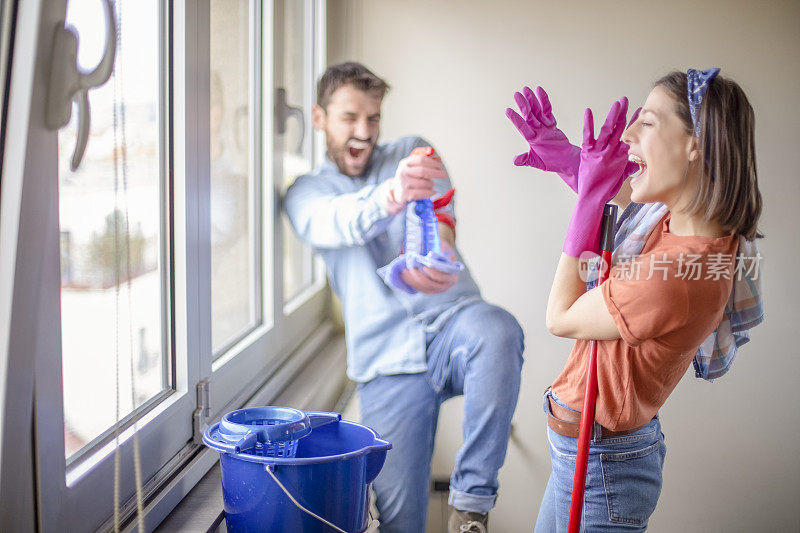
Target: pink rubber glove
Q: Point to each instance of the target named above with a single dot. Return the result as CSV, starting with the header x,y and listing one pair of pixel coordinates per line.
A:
x,y
550,150
599,179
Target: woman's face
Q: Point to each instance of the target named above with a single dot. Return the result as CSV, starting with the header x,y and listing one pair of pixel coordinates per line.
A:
x,y
661,145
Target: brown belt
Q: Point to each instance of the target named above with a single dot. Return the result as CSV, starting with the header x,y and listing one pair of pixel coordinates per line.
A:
x,y
568,422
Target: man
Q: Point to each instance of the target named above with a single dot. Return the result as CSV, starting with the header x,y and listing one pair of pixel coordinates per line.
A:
x,y
408,352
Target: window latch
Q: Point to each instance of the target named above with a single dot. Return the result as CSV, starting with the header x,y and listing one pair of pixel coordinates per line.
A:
x,y
283,112
68,82
201,413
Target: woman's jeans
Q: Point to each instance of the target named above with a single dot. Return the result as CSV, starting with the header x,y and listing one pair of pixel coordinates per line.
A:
x,y
623,480
478,353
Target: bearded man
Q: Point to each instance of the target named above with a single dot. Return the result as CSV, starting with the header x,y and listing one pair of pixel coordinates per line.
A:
x,y
415,343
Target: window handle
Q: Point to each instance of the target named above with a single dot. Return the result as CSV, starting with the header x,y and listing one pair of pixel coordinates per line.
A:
x,y
69,83
283,111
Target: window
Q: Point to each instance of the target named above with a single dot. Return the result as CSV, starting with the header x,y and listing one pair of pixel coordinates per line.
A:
x,y
235,206
297,80
5,52
271,116
166,287
114,314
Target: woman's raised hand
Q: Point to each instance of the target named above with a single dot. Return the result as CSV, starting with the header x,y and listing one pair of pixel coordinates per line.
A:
x,y
603,159
602,172
549,148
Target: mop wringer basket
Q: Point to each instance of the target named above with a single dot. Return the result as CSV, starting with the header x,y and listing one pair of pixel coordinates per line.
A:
x,y
268,431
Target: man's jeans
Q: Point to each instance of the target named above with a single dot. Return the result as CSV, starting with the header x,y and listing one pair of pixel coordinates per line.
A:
x,y
478,354
623,480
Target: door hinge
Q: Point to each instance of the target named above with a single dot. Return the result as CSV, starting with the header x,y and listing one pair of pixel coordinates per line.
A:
x,y
201,413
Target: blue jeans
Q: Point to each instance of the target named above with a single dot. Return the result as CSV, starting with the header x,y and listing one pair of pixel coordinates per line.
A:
x,y
623,480
478,353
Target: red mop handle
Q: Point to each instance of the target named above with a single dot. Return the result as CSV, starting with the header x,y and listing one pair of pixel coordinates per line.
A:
x,y
590,394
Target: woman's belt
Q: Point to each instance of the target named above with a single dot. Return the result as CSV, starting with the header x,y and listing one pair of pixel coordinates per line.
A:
x,y
568,422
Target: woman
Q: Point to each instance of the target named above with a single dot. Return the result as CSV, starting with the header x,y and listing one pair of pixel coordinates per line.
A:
x,y
693,144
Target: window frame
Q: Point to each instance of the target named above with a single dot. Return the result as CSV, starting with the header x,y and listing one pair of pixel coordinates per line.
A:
x,y
79,496
76,496
267,346
17,343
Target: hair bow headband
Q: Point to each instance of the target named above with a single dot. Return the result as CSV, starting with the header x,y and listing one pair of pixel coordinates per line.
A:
x,y
697,82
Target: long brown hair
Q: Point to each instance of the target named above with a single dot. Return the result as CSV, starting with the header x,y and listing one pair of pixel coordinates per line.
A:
x,y
727,186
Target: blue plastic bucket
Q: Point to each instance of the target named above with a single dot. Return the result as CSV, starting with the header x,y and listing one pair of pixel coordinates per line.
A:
x,y
326,480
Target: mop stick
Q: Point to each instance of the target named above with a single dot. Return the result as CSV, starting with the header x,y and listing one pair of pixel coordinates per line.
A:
x,y
590,394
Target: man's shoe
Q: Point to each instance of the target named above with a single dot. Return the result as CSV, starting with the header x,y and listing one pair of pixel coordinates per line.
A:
x,y
467,522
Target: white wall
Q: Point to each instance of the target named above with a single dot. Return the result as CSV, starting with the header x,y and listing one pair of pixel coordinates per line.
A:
x,y
733,461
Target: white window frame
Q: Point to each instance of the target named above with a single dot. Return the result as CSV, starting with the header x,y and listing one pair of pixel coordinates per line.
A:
x,y
268,345
80,497
17,483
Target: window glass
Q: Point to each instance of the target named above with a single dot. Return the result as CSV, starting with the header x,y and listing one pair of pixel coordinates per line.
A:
x,y
235,255
298,272
114,353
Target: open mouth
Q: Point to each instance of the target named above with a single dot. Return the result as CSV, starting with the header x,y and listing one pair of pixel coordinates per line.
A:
x,y
642,166
357,149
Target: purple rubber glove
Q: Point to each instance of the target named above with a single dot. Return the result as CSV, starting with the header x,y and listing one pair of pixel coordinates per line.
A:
x,y
600,177
550,150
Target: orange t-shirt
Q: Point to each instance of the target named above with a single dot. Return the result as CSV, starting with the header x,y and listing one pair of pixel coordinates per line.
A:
x,y
662,321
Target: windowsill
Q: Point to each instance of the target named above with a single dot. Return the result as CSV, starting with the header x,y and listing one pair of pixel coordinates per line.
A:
x,y
317,386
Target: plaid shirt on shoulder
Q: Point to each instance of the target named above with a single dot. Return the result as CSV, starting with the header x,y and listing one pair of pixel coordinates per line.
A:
x,y
745,307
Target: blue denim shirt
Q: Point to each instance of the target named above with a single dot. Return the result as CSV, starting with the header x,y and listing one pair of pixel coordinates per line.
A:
x,y
342,219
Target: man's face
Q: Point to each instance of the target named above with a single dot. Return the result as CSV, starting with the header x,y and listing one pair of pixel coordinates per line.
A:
x,y
351,125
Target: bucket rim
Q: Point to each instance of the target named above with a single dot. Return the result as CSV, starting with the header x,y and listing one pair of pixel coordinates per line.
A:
x,y
379,444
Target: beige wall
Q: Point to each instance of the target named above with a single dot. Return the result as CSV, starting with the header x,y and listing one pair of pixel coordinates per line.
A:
x,y
733,461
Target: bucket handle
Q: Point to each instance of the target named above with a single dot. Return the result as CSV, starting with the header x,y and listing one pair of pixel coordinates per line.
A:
x,y
374,463
270,468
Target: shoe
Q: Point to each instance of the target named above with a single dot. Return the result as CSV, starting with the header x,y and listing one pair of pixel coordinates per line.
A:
x,y
467,522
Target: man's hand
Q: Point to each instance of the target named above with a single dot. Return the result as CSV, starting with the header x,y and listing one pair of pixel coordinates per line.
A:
x,y
429,280
413,181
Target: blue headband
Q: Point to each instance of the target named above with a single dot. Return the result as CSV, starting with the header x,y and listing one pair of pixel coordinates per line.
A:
x,y
697,82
